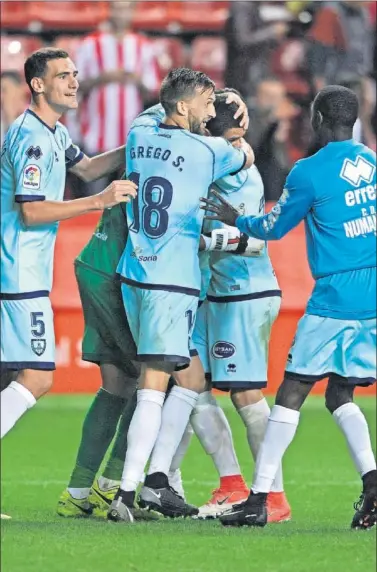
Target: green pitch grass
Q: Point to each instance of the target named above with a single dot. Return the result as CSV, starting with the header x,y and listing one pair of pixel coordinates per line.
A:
x,y
37,458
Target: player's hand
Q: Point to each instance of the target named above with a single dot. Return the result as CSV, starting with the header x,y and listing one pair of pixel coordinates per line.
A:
x,y
223,210
117,192
242,113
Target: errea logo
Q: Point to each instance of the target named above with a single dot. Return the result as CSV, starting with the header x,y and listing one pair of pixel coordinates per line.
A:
x,y
356,171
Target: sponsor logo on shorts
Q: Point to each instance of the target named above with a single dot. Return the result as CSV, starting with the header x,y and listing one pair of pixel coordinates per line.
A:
x,y
223,350
38,346
32,177
231,368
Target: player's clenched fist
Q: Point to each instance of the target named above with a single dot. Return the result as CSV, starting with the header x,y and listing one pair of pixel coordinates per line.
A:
x,y
117,192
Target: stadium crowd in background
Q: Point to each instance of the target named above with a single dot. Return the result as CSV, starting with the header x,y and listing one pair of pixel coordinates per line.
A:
x,y
295,47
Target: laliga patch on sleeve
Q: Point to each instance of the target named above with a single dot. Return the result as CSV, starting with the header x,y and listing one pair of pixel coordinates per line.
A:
x,y
32,177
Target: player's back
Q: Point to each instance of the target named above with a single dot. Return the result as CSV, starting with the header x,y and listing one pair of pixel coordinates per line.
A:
x,y
173,168
235,275
33,168
341,229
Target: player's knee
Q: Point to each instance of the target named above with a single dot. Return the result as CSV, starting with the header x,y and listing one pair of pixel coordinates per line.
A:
x,y
244,397
38,382
192,377
118,380
292,394
337,394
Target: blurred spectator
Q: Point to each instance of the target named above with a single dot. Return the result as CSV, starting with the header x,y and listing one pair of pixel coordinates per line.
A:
x,y
270,125
13,98
342,52
252,32
342,41
118,74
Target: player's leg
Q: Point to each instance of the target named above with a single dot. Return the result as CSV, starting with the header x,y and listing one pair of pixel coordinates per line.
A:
x,y
306,349
213,431
361,338
174,475
27,345
99,428
175,416
162,317
322,345
107,343
248,397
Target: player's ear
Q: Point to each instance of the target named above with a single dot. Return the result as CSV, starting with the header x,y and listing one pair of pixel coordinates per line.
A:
x,y
182,108
37,84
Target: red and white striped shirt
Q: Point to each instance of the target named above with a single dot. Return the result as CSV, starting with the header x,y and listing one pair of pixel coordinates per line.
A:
x,y
107,112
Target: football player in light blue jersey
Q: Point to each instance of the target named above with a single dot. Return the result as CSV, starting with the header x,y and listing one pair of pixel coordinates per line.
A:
x,y
334,191
35,156
232,333
173,164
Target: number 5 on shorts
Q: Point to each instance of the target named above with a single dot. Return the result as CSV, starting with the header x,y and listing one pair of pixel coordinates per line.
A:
x,y
37,324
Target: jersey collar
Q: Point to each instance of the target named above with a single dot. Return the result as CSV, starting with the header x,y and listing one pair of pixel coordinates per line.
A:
x,y
164,126
41,120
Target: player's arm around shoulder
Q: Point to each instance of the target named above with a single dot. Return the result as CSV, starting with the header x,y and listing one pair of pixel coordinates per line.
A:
x,y
229,160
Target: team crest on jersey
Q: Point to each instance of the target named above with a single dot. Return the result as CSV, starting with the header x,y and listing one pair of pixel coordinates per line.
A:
x,y
34,152
356,171
38,346
223,350
32,177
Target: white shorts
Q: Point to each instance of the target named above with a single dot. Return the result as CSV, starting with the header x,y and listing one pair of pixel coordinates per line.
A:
x,y
232,341
161,323
27,333
328,346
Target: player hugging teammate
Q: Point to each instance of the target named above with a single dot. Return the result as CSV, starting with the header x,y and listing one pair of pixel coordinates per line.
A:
x,y
145,331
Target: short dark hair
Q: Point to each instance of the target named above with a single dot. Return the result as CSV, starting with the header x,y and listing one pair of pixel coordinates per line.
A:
x,y
14,75
36,63
225,112
181,83
338,105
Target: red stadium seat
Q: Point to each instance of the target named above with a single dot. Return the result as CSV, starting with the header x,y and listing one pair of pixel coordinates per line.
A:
x,y
151,15
200,15
209,56
68,15
15,50
14,15
170,54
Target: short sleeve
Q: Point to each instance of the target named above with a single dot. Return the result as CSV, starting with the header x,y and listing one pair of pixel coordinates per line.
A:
x,y
73,153
31,158
227,160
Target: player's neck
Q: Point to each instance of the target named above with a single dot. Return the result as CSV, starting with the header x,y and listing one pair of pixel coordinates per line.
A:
x,y
327,135
45,113
177,121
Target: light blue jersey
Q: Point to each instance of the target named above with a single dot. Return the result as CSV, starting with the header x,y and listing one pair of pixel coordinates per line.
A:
x,y
334,191
173,168
235,275
34,160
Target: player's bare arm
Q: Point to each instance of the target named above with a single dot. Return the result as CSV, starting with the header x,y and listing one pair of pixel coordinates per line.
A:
x,y
92,168
44,212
